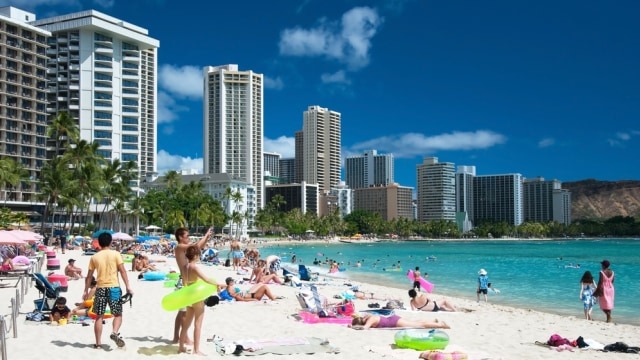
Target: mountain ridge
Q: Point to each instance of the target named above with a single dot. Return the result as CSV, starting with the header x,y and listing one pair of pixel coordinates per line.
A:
x,y
600,199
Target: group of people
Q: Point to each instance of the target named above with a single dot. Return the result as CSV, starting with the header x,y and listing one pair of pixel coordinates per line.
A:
x,y
602,293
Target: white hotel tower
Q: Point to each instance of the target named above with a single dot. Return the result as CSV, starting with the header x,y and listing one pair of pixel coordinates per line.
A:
x,y
103,72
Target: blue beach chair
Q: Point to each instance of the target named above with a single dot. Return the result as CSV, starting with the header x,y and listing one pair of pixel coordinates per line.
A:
x,y
48,293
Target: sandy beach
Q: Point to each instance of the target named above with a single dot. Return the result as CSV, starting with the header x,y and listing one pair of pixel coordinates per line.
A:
x,y
484,331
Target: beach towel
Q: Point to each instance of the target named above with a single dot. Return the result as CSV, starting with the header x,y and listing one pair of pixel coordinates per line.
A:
x,y
283,346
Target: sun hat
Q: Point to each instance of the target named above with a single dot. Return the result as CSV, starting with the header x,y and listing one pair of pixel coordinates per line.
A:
x,y
482,272
605,263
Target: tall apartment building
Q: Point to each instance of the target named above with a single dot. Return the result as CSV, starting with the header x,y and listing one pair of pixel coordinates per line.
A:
x,y
498,198
271,163
391,202
436,190
321,147
369,169
103,72
344,197
234,127
298,175
545,201
562,206
23,101
287,170
301,196
464,195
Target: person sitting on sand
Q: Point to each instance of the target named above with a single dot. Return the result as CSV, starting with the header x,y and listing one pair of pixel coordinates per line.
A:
x,y
260,277
72,271
254,294
394,321
60,310
82,308
420,301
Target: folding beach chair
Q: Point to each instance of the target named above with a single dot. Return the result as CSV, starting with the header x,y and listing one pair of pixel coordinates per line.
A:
x,y
305,274
49,293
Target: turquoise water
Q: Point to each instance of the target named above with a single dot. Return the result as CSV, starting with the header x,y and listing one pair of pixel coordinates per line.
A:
x,y
529,274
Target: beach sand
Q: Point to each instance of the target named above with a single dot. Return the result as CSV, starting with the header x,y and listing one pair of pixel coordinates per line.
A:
x,y
486,331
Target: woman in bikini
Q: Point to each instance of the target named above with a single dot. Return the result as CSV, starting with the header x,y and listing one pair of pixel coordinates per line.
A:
x,y
195,311
254,294
259,274
394,321
420,301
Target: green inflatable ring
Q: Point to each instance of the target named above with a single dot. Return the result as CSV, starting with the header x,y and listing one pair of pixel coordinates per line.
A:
x,y
127,258
173,276
421,339
188,295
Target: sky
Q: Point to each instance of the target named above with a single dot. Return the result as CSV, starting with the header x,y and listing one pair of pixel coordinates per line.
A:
x,y
541,88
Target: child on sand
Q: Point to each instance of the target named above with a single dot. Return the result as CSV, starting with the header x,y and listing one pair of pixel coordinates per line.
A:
x,y
587,288
195,312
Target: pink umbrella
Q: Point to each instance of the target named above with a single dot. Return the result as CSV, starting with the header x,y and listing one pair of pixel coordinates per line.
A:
x,y
6,238
26,235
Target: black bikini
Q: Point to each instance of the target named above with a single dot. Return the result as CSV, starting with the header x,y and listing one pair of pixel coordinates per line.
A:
x,y
435,306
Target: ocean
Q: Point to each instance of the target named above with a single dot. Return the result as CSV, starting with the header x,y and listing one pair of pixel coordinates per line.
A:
x,y
538,275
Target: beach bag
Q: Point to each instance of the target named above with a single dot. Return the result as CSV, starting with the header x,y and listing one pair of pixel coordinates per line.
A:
x,y
35,316
346,309
227,263
557,340
394,304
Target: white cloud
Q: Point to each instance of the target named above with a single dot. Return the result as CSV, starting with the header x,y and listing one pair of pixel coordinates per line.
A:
x,y
168,108
185,81
168,162
347,41
414,144
339,77
105,3
546,142
285,146
273,83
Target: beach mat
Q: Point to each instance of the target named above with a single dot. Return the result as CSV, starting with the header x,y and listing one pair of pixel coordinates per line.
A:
x,y
312,345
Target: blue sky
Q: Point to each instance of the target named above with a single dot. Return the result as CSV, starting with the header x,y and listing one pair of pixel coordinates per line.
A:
x,y
541,88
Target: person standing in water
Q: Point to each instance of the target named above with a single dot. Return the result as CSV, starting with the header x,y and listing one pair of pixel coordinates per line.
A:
x,y
605,290
587,288
483,284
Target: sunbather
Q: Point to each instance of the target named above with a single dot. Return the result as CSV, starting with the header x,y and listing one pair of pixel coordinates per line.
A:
x,y
72,271
260,277
394,321
254,294
420,301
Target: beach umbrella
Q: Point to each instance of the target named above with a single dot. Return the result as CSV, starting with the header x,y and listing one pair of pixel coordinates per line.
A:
x,y
26,235
6,238
122,236
97,233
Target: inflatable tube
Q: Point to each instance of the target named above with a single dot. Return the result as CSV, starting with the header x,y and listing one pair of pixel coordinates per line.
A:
x,y
441,355
88,303
188,295
153,276
173,276
107,314
170,283
421,339
311,318
127,258
424,284
20,260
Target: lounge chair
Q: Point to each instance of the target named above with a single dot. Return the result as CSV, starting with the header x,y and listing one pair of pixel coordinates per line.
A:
x,y
48,293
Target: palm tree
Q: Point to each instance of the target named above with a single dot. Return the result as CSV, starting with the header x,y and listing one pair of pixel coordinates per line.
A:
x,y
227,195
11,174
64,130
55,184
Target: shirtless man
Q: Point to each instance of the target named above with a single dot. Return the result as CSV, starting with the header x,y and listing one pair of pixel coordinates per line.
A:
x,y
236,254
72,271
182,236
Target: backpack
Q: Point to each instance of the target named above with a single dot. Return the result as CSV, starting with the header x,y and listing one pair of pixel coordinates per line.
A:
x,y
557,340
347,308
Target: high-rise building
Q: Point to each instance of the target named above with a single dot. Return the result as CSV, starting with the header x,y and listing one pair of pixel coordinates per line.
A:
x,y
103,72
545,201
271,165
301,196
321,147
298,175
23,101
436,190
369,169
391,201
287,170
234,126
497,198
464,195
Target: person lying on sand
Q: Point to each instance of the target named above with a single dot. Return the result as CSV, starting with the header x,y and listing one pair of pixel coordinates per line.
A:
x,y
420,301
393,321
